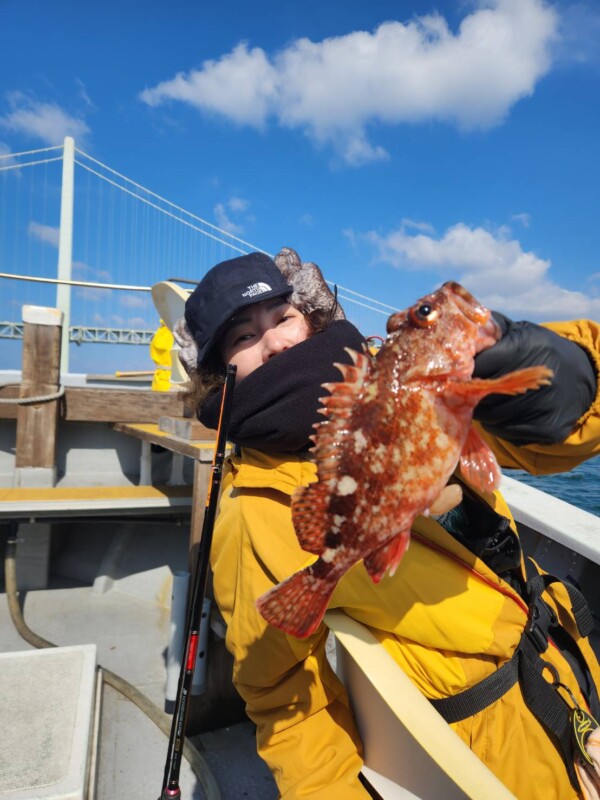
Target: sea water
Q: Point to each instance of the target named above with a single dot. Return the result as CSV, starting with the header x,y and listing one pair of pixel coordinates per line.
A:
x,y
580,486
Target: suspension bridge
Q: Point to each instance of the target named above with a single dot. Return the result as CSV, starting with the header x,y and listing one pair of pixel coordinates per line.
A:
x,y
77,235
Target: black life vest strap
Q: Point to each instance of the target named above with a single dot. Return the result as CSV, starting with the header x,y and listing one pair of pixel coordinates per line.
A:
x,y
526,666
537,585
481,695
547,705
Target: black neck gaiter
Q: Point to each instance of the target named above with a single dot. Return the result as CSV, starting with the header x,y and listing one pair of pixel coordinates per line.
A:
x,y
275,407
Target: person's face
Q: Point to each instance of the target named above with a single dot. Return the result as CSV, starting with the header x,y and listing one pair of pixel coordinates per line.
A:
x,y
261,331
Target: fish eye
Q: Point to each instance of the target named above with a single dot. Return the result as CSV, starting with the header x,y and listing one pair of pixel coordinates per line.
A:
x,y
423,314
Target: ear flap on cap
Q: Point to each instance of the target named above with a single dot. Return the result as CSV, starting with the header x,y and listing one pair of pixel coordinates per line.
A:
x,y
188,349
310,290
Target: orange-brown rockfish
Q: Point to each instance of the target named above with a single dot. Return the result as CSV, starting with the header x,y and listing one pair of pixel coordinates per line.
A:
x,y
395,429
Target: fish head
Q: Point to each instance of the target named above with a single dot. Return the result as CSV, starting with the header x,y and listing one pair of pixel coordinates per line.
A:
x,y
440,334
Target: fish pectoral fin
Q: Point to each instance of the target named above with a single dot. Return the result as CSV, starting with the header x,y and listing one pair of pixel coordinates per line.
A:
x,y
309,516
517,382
387,557
521,380
478,464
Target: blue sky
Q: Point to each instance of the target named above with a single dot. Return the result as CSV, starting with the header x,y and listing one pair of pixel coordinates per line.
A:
x,y
396,144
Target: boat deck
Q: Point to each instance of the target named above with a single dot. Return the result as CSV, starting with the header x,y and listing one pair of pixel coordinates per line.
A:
x,y
131,634
109,584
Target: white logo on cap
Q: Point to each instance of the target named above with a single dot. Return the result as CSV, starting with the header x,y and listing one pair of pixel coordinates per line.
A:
x,y
256,288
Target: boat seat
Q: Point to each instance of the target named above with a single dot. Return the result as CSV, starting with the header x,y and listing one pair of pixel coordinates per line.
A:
x,y
33,509
28,503
50,704
410,751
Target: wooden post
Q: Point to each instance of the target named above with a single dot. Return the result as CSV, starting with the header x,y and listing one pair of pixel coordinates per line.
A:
x,y
36,422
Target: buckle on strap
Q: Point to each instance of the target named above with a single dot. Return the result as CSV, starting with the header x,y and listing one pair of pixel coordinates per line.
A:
x,y
541,619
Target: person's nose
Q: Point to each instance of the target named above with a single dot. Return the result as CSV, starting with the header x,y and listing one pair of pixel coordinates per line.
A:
x,y
273,343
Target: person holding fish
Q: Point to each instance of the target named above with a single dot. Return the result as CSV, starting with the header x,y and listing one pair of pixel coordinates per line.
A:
x,y
310,521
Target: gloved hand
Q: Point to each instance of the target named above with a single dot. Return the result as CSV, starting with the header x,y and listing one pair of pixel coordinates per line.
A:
x,y
546,415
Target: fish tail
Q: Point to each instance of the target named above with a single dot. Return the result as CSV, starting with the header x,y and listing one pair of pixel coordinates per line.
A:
x,y
298,604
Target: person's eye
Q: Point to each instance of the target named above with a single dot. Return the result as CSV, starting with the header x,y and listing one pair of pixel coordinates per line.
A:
x,y
242,337
239,339
286,318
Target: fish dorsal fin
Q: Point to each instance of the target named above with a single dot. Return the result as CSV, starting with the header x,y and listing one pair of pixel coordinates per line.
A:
x,y
310,504
337,409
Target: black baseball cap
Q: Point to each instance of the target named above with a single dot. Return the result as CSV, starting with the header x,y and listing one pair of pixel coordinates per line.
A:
x,y
225,289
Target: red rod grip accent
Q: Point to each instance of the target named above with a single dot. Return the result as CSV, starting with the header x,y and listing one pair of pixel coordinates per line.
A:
x,y
191,659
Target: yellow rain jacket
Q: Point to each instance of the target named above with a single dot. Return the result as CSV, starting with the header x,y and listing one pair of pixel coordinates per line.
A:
x,y
445,617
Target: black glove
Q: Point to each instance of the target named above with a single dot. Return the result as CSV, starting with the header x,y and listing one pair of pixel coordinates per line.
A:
x,y
542,416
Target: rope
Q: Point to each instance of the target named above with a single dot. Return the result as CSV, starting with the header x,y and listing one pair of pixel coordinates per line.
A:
x,y
24,401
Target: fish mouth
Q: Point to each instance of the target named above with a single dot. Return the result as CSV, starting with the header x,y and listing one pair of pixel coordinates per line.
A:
x,y
488,329
489,334
471,308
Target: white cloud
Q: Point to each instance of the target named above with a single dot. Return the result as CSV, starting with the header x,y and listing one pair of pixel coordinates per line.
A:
x,y
85,272
6,156
138,322
418,71
241,85
91,294
103,276
224,222
524,219
352,237
356,150
579,32
47,122
493,266
424,227
83,95
45,233
237,204
137,300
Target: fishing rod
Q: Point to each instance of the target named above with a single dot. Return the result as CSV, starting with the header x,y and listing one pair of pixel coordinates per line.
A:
x,y
170,787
